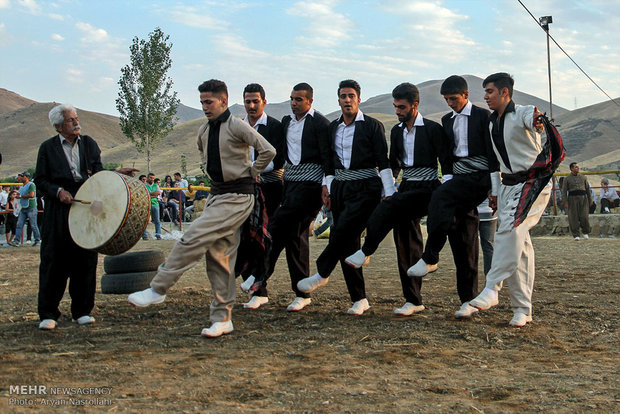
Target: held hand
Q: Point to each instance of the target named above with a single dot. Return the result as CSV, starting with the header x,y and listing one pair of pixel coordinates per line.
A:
x,y
65,197
493,203
537,121
127,171
325,198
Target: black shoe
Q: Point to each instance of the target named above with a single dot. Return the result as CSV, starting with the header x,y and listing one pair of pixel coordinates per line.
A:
x,y
36,243
158,237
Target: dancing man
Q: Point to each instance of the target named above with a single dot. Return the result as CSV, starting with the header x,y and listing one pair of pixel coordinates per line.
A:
x,y
352,191
515,132
224,143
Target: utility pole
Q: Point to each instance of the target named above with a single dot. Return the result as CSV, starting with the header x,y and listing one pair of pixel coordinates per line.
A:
x,y
544,23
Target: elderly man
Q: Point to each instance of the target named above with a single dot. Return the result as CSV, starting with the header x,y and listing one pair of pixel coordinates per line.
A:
x,y
64,163
224,143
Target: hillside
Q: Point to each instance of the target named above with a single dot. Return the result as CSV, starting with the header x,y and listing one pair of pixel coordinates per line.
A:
x,y
10,101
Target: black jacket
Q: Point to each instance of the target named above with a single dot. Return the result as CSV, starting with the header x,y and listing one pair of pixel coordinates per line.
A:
x,y
478,137
430,144
53,171
274,133
314,140
369,148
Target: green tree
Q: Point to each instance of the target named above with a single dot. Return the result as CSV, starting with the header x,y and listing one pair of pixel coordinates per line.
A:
x,y
146,102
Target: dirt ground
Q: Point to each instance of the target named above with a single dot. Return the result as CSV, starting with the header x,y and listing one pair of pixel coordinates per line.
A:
x,y
321,359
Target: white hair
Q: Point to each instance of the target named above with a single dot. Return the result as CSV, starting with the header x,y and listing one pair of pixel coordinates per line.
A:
x,y
57,114
605,180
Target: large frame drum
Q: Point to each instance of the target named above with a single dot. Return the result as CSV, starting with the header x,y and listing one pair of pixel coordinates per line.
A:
x,y
118,212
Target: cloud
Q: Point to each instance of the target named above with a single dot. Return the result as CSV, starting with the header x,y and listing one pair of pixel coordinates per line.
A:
x,y
56,36
324,26
99,46
5,4
30,5
5,38
193,17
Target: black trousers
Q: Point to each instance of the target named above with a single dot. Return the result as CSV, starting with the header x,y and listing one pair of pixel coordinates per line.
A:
x,y
301,202
464,242
273,197
62,259
455,198
352,203
402,213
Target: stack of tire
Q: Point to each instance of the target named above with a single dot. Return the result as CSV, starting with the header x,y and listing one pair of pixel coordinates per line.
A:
x,y
130,272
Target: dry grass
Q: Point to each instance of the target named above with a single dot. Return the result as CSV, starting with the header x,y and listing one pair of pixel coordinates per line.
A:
x,y
322,360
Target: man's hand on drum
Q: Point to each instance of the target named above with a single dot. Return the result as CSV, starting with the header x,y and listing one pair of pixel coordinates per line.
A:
x,y
65,197
127,171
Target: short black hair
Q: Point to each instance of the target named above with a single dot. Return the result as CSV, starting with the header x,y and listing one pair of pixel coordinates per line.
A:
x,y
254,87
151,174
571,165
303,86
453,85
407,91
141,177
501,80
350,83
177,173
214,86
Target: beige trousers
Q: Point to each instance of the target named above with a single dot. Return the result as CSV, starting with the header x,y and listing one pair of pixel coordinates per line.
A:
x,y
513,254
214,235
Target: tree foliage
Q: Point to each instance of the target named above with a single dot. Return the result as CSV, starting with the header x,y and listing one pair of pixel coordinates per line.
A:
x,y
146,102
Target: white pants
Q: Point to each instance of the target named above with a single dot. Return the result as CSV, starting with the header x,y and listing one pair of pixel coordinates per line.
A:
x,y
513,256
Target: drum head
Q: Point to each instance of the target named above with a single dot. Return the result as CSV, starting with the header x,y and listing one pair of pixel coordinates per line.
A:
x,y
92,228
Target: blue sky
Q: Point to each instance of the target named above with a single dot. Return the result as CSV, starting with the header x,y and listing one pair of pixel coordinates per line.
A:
x,y
72,51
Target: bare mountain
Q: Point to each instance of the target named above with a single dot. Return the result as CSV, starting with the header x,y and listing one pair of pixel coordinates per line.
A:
x,y
592,133
10,101
186,113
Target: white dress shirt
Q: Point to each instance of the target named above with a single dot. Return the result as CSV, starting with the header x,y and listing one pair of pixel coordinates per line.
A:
x,y
461,122
409,140
261,121
344,140
293,136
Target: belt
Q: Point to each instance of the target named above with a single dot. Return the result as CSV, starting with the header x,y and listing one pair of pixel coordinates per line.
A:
x,y
577,193
303,172
274,176
514,179
468,165
420,174
238,186
351,175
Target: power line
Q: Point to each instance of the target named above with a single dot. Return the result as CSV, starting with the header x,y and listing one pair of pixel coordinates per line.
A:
x,y
567,55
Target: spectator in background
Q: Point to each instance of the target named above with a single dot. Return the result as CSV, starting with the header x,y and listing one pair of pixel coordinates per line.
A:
x,y
486,230
160,199
201,194
577,201
593,196
142,178
182,181
28,204
154,192
608,196
11,216
176,198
